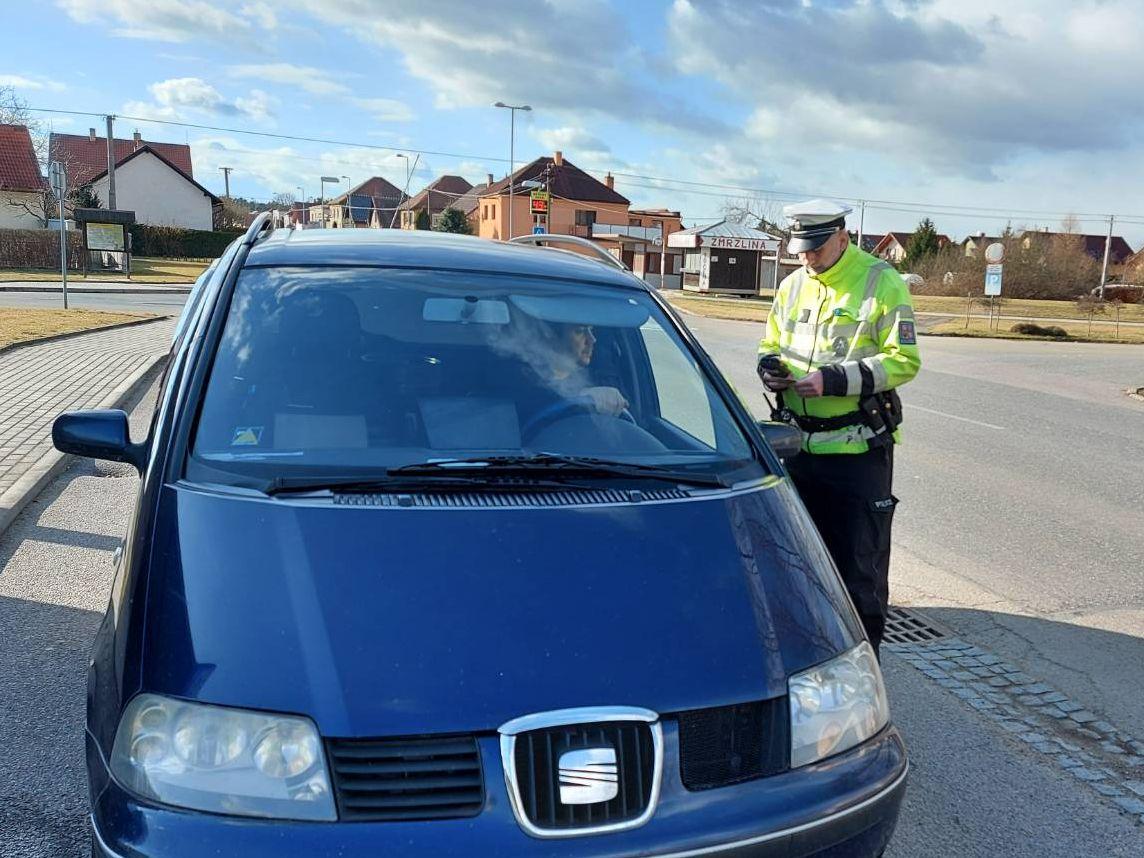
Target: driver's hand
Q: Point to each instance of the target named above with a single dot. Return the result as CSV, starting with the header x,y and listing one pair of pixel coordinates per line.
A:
x,y
607,400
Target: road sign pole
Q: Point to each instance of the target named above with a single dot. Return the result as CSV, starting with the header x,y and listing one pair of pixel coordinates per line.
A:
x,y
59,182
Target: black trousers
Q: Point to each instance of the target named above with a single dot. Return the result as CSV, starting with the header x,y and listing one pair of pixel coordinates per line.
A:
x,y
850,499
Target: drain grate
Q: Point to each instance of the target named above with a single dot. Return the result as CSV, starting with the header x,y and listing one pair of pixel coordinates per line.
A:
x,y
904,626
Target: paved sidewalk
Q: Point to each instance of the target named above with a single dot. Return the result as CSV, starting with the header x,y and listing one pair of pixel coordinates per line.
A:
x,y
37,382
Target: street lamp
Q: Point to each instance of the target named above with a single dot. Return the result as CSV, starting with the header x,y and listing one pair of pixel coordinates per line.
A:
x,y
333,180
349,206
301,205
512,109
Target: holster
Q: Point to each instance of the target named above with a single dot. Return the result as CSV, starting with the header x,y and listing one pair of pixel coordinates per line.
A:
x,y
882,413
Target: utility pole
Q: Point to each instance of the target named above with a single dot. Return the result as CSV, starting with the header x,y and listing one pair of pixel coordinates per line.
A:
x,y
861,221
110,161
1107,248
662,253
226,179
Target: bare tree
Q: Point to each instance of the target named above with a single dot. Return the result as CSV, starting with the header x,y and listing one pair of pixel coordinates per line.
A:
x,y
41,205
757,212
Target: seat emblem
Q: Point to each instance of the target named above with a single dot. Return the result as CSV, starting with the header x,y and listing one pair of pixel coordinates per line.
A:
x,y
589,776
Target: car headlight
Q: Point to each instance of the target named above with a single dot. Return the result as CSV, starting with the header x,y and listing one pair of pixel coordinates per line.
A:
x,y
222,760
837,705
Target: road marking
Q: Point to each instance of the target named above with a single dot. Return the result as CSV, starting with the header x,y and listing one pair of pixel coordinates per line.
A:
x,y
956,417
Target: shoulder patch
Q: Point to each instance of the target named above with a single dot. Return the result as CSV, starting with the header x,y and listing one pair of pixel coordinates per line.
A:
x,y
907,334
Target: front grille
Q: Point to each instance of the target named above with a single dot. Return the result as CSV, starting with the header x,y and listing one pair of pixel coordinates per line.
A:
x,y
731,744
537,758
406,779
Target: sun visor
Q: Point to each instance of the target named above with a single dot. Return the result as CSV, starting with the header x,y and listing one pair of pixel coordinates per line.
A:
x,y
569,310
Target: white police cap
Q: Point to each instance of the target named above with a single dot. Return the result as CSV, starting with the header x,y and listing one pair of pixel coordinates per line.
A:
x,y
813,222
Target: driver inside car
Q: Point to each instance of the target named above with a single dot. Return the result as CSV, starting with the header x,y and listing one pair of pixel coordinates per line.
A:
x,y
571,357
557,358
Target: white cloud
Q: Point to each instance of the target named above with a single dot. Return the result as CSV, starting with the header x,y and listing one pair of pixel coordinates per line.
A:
x,y
385,109
174,20
20,81
172,98
262,14
945,85
565,58
313,80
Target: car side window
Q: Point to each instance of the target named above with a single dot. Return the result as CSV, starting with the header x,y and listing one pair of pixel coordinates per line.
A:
x,y
679,385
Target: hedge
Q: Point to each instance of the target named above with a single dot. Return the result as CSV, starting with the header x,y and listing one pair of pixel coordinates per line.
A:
x,y
173,242
38,248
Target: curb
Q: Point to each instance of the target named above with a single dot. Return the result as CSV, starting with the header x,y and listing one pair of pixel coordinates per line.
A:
x,y
158,289
52,463
56,337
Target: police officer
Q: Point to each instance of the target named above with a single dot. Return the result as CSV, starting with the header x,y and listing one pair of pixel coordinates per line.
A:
x,y
840,338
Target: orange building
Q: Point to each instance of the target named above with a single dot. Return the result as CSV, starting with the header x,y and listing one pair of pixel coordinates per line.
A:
x,y
583,206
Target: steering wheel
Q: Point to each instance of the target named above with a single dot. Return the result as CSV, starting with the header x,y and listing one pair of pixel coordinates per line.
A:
x,y
566,408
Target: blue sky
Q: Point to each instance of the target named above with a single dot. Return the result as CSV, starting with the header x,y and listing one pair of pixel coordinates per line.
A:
x,y
1021,109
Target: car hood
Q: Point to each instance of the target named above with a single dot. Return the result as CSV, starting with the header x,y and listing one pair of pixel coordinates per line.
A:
x,y
392,621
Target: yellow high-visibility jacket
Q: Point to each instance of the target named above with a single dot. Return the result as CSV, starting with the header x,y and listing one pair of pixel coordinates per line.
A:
x,y
855,322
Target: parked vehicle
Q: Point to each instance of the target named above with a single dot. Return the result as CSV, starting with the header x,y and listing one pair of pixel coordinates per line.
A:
x,y
458,548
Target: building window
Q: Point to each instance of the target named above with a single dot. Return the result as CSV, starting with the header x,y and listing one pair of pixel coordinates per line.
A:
x,y
634,221
493,211
585,217
651,264
484,212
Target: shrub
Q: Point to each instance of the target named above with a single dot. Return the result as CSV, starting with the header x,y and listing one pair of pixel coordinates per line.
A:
x,y
1034,330
173,242
38,248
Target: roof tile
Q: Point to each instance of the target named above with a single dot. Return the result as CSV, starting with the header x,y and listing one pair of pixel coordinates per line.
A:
x,y
19,170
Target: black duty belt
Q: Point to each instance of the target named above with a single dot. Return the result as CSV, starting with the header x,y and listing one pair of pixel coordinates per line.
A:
x,y
828,424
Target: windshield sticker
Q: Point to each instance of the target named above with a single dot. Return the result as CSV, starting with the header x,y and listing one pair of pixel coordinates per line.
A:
x,y
246,436
907,336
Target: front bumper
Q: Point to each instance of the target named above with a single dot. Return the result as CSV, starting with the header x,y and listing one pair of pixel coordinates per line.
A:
x,y
845,806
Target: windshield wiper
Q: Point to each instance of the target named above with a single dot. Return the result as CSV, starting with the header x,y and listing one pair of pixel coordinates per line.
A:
x,y
399,481
547,462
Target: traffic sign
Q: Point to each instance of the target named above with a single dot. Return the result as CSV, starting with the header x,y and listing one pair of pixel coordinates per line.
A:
x,y
538,202
538,230
58,179
993,279
995,252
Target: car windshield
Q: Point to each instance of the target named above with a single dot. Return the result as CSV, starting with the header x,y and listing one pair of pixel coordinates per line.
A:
x,y
355,372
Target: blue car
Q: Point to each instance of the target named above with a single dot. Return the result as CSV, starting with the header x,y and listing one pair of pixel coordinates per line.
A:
x,y
448,547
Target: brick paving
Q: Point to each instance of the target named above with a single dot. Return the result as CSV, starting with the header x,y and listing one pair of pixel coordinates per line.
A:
x,y
1095,752
37,382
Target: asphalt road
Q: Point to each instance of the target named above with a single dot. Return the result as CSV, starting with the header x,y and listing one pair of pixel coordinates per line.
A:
x,y
130,303
1021,478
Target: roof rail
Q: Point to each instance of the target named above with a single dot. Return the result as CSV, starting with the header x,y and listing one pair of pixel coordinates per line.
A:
x,y
549,238
261,222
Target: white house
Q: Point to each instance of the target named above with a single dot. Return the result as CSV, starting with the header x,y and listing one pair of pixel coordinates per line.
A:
x,y
158,192
21,186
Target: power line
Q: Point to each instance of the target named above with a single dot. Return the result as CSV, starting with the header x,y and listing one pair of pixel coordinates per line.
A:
x,y
295,137
663,183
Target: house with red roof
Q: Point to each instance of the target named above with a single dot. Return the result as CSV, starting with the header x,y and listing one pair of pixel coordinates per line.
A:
x,y
21,185
892,246
434,198
154,180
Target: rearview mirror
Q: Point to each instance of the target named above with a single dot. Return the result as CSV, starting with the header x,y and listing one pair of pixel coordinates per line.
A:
x,y
785,440
98,435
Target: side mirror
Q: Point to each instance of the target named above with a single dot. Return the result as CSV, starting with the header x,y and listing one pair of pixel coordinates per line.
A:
x,y
785,440
98,435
